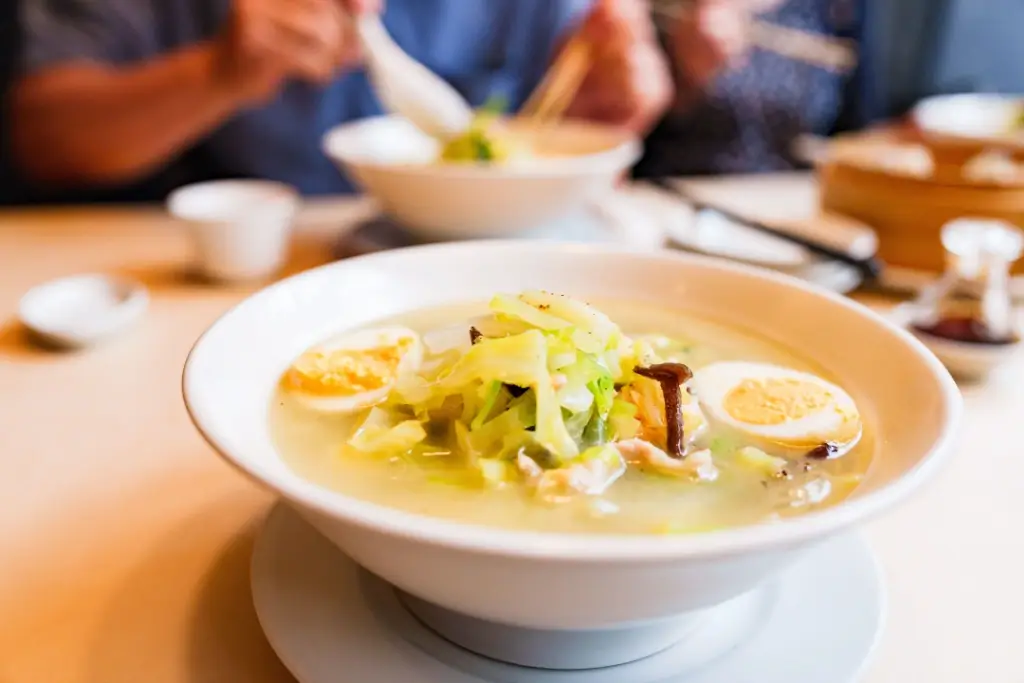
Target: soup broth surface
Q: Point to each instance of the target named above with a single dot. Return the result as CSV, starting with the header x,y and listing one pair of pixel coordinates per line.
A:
x,y
642,502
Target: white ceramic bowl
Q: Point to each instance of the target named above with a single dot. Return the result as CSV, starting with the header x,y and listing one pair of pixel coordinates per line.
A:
x,y
239,228
393,162
969,118
559,581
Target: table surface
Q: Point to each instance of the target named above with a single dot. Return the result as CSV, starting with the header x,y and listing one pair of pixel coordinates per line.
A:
x,y
125,542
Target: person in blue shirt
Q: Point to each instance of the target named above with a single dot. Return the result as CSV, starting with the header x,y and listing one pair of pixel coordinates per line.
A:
x,y
129,98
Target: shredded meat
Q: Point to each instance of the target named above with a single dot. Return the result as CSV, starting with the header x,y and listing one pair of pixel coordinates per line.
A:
x,y
590,478
528,467
671,377
697,464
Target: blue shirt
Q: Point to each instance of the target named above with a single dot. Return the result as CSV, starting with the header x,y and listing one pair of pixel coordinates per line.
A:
x,y
483,47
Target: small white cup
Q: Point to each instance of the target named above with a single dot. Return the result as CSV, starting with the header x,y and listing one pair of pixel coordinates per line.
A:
x,y
240,228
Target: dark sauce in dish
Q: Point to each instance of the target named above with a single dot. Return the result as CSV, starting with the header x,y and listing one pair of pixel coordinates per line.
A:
x,y
965,329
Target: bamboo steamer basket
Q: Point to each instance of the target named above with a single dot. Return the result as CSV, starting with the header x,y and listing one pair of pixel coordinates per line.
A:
x,y
908,211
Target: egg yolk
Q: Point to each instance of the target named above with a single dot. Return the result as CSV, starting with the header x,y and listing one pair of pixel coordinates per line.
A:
x,y
346,372
774,401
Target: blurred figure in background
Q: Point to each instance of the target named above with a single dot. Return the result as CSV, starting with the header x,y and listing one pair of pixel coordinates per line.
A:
x,y
126,99
738,109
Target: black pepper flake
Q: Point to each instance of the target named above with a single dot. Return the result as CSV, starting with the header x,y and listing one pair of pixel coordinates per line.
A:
x,y
825,451
671,377
475,335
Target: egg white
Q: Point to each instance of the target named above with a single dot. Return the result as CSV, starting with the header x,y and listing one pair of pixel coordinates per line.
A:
x,y
363,340
832,423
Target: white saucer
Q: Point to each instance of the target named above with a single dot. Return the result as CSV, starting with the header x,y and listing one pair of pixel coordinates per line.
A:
x,y
81,310
328,620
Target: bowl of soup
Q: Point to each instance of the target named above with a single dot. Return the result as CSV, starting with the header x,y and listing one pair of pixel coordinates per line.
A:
x,y
559,436
501,178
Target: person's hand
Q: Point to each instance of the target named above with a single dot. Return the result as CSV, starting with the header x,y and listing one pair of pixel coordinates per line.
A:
x,y
712,36
629,83
267,41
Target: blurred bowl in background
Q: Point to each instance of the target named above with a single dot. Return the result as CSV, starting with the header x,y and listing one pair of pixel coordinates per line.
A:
x,y
971,119
240,228
395,164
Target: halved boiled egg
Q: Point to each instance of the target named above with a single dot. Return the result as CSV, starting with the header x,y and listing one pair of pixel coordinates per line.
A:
x,y
786,412
354,370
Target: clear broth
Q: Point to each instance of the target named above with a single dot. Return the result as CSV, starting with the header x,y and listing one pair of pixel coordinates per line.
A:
x,y
311,445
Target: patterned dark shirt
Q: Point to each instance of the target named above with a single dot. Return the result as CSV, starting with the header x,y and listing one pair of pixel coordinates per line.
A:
x,y
749,117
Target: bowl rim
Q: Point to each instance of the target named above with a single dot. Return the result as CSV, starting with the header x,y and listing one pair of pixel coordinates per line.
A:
x,y
488,540
181,201
615,158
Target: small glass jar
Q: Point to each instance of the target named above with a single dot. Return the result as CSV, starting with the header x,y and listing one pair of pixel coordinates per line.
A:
x,y
971,301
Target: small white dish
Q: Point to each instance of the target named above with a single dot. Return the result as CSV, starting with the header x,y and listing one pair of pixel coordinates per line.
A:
x,y
709,232
713,234
394,163
322,614
964,360
239,228
82,310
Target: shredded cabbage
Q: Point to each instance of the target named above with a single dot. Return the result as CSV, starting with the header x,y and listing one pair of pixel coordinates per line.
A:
x,y
493,391
379,434
496,472
622,422
594,331
515,307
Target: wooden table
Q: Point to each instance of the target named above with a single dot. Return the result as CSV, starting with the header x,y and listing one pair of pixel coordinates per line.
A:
x,y
124,543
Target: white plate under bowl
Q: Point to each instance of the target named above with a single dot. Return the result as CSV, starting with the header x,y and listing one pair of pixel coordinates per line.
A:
x,y
553,581
817,622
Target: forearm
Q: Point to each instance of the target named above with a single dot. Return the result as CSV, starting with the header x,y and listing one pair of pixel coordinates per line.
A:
x,y
95,124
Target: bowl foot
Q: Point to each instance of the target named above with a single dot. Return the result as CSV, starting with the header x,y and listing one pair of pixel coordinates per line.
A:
x,y
330,620
704,636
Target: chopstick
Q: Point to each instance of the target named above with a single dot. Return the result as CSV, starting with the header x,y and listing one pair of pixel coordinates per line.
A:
x,y
834,54
870,268
560,84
